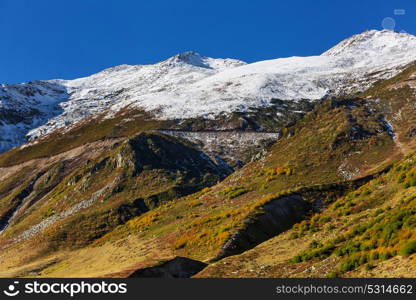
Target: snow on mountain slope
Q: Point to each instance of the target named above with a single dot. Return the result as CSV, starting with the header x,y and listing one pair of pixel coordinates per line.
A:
x,y
189,85
30,110
352,65
26,106
123,84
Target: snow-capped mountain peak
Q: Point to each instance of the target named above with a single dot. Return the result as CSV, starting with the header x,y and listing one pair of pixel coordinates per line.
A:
x,y
375,48
192,58
190,85
384,41
350,66
69,101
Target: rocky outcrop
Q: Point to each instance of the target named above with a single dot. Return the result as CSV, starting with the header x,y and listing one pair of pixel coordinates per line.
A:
x,y
231,149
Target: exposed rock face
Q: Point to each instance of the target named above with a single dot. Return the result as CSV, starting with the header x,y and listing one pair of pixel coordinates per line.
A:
x,y
163,152
235,148
179,267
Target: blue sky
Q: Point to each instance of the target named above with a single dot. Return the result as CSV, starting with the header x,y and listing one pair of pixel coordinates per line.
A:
x,y
47,39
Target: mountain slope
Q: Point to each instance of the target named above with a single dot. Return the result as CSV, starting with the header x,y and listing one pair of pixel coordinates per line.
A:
x,y
45,106
367,233
128,191
76,200
316,164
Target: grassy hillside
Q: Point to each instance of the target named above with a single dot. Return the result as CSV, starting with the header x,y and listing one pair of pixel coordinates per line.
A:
x,y
355,236
333,197
201,225
59,209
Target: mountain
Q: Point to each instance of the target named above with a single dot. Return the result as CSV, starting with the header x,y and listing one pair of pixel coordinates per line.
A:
x,y
304,168
189,86
45,106
350,66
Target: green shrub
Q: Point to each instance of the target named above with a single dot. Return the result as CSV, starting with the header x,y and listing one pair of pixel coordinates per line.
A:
x,y
325,219
385,255
294,235
408,249
374,255
49,212
378,212
296,259
369,267
234,191
350,263
407,185
315,244
366,193
330,227
333,274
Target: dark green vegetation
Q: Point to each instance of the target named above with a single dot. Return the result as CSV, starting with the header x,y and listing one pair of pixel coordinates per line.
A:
x,y
386,227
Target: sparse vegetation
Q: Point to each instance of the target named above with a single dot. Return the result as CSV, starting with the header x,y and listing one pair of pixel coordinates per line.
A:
x,y
234,191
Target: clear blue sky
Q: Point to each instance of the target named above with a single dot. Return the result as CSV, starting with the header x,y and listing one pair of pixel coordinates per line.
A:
x,y
45,39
